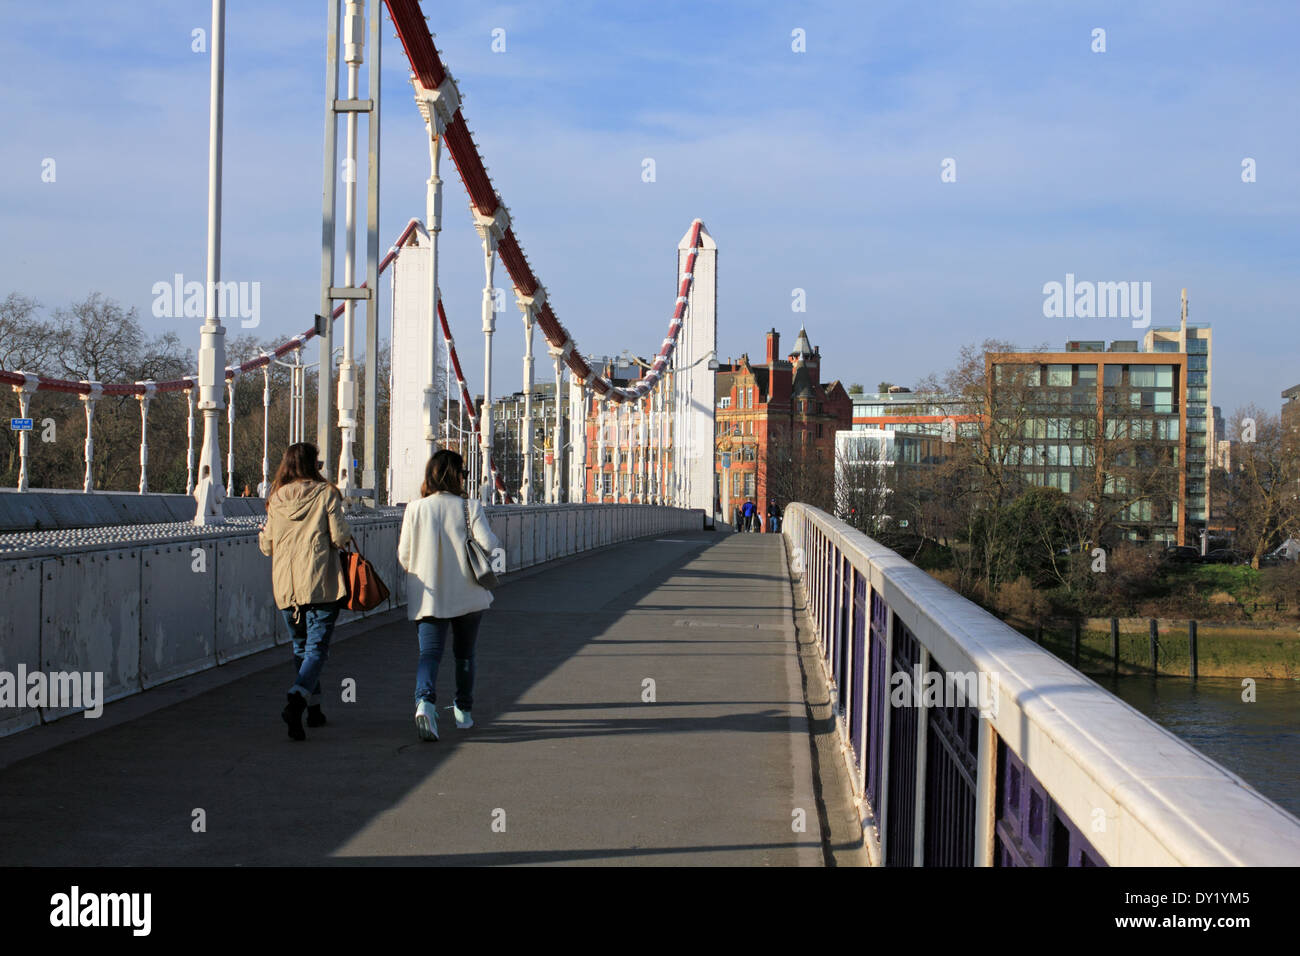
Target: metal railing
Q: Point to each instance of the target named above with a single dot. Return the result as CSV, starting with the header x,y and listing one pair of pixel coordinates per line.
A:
x,y
968,744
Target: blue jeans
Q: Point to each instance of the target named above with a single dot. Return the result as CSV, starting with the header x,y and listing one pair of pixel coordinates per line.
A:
x,y
311,645
432,632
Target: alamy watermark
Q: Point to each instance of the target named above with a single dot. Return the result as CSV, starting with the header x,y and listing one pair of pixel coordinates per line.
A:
x,y
1098,300
946,689
232,300
76,908
58,689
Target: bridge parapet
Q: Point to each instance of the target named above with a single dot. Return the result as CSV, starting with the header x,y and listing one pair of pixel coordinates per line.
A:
x,y
147,604
968,744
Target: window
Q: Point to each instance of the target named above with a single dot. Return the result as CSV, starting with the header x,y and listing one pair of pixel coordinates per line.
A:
x,y
1059,375
1087,374
749,484
1197,362
1016,372
1112,375
724,402
819,431
1165,345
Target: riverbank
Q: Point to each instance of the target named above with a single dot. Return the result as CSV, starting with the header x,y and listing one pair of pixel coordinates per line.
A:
x,y
1223,649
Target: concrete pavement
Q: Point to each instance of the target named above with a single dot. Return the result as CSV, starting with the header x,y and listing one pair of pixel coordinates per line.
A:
x,y
568,762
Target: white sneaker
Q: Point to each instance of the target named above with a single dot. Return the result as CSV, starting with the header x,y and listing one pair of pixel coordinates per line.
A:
x,y
426,721
463,720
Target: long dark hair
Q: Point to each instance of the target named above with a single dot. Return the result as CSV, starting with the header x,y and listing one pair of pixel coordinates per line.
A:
x,y
445,471
298,464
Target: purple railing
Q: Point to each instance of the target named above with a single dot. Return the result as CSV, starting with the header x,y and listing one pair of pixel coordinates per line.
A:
x,y
1031,830
859,654
900,820
876,697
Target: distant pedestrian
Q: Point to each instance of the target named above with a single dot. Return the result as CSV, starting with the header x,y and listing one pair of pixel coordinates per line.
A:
x,y
248,492
303,533
748,511
737,517
773,516
442,593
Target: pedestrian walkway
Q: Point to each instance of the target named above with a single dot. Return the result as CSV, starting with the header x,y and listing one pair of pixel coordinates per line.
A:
x,y
637,705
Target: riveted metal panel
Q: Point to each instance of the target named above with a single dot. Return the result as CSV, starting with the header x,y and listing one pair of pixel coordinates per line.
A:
x,y
380,548
527,538
513,541
90,612
247,618
500,528
178,616
20,636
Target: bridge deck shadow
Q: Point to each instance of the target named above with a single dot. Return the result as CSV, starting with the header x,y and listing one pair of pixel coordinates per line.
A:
x,y
567,763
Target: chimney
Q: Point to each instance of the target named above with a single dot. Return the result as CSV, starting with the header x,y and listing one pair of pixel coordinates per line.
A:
x,y
773,346
773,350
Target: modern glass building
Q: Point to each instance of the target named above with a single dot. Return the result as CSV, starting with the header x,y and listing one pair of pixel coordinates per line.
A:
x,y
1193,341
1109,427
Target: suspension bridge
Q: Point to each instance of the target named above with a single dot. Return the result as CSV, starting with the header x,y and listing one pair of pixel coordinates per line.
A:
x,y
656,689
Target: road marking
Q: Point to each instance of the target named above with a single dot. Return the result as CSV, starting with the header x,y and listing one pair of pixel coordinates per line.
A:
x,y
683,622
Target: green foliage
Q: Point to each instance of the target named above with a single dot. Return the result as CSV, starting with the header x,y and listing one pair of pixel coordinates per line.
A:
x,y
1027,535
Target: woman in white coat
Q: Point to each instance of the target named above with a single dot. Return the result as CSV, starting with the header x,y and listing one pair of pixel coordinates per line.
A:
x,y
441,592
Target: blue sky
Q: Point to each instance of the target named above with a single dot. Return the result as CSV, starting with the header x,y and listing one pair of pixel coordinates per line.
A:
x,y
817,170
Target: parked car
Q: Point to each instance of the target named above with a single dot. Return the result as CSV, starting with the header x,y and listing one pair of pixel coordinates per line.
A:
x,y
1182,554
1223,556
1289,550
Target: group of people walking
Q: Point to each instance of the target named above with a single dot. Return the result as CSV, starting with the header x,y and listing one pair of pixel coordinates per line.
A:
x,y
304,532
749,518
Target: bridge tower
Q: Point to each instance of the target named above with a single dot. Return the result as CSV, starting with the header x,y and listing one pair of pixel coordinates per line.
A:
x,y
696,365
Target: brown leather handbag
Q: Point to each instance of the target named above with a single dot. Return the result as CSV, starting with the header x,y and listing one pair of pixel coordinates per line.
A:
x,y
365,589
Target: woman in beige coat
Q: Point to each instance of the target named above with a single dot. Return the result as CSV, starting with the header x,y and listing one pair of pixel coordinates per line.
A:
x,y
303,533
441,592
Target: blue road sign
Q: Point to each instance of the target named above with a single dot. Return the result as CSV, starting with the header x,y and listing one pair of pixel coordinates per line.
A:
x,y
20,424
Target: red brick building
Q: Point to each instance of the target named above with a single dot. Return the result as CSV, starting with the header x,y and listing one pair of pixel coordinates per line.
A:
x,y
776,425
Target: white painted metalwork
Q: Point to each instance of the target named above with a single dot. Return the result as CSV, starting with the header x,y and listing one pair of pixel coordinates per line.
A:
x,y
150,387
24,408
89,400
230,438
212,350
189,442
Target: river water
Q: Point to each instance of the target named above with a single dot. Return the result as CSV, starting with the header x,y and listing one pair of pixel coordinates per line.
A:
x,y
1259,741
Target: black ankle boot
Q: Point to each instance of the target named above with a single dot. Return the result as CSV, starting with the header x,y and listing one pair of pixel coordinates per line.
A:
x,y
314,716
292,715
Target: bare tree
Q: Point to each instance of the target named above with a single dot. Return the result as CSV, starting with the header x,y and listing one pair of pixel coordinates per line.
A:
x,y
797,469
862,484
1261,490
27,344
